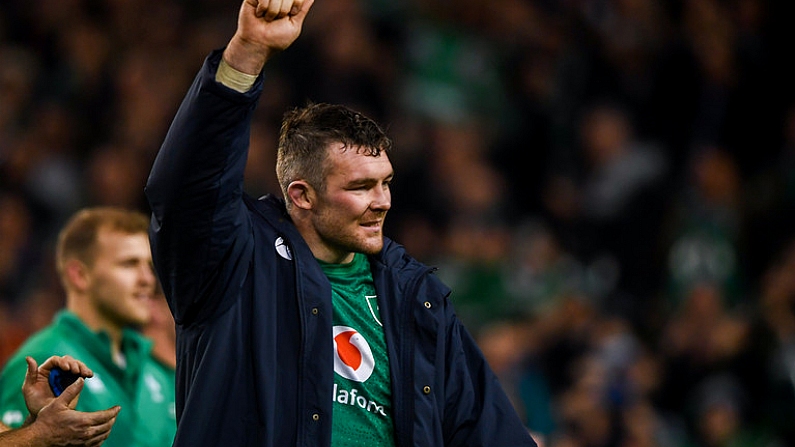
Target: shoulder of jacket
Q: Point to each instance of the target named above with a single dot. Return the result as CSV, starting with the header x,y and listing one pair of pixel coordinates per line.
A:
x,y
394,257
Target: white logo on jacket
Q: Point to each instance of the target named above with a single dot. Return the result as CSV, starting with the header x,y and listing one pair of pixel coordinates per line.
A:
x,y
283,249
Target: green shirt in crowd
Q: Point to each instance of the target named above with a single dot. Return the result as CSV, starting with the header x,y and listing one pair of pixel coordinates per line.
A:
x,y
144,388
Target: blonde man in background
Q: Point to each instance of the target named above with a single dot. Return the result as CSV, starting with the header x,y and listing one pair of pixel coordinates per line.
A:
x,y
105,265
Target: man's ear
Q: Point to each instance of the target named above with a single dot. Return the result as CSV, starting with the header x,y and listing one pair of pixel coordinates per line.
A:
x,y
301,194
76,274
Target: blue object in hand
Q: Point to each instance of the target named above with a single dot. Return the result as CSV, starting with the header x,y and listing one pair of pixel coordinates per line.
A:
x,y
60,379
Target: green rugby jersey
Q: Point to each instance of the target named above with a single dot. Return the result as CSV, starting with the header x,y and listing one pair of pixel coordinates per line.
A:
x,y
144,388
362,409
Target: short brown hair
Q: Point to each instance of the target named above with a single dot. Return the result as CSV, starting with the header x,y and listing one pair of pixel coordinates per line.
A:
x,y
78,238
307,132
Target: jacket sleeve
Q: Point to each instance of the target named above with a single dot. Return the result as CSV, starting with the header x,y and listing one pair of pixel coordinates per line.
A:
x,y
200,231
477,410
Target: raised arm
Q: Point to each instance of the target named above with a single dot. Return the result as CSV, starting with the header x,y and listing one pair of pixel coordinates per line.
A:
x,y
199,229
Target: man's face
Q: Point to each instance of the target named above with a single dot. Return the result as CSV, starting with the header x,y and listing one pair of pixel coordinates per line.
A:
x,y
349,215
121,280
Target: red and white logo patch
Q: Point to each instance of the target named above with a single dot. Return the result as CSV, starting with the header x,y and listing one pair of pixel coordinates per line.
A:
x,y
353,358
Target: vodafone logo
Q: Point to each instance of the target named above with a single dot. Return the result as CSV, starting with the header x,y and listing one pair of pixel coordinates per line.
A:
x,y
353,358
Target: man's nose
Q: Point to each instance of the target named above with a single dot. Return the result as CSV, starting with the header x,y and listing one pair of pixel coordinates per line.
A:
x,y
147,275
382,199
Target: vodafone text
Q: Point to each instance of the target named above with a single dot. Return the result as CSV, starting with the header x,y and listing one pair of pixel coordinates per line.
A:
x,y
351,398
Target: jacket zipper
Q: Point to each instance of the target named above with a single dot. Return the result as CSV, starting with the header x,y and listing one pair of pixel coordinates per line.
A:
x,y
405,419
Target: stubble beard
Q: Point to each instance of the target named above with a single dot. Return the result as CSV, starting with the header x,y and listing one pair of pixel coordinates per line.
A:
x,y
354,244
354,241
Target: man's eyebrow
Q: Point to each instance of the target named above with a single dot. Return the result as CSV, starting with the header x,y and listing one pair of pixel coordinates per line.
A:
x,y
370,180
362,181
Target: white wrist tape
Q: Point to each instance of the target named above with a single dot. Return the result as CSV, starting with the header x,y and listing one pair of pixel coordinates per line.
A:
x,y
236,80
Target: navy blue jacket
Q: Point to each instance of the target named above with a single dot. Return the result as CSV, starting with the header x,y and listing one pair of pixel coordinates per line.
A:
x,y
253,307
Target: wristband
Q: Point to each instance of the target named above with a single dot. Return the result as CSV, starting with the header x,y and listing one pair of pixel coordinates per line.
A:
x,y
234,79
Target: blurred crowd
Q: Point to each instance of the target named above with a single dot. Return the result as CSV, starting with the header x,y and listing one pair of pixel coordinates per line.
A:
x,y
607,185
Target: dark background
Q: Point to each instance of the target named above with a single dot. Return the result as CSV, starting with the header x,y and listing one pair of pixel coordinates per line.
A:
x,y
607,185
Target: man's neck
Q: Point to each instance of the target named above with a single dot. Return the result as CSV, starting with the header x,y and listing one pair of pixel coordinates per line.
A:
x,y
96,323
163,346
